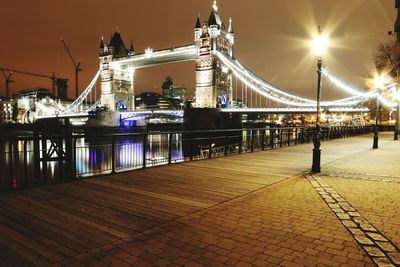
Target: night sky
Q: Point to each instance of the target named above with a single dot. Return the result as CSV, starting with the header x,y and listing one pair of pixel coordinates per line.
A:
x,y
271,38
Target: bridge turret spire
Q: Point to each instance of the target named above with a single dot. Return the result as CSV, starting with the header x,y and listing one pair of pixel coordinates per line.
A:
x,y
198,24
197,28
103,47
215,7
214,21
230,28
102,42
131,49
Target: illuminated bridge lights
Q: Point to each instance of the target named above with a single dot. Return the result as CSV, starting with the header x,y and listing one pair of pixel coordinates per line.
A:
x,y
188,52
139,114
179,54
293,110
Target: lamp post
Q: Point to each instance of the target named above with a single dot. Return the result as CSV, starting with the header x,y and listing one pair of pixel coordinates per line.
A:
x,y
376,131
378,83
396,127
396,57
320,44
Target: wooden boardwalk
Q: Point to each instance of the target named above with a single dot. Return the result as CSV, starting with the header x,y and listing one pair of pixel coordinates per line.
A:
x,y
50,224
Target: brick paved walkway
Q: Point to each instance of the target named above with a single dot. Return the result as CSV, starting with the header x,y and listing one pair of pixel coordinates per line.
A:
x,y
287,224
279,221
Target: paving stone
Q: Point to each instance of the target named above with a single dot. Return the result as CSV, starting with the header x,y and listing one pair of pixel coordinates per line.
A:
x,y
338,210
356,231
395,257
346,206
374,251
354,214
334,206
343,216
349,224
360,220
386,246
367,227
383,262
362,239
376,237
330,200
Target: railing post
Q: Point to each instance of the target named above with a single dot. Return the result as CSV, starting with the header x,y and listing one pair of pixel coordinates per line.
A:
x,y
74,148
44,159
36,156
226,145
296,136
113,154
240,142
169,148
301,135
68,150
144,149
209,146
25,163
191,148
263,139
272,138
252,140
11,164
288,139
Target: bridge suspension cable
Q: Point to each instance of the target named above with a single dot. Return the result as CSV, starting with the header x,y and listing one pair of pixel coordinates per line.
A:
x,y
276,94
82,97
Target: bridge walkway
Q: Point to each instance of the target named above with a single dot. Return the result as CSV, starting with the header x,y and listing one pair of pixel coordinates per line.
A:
x,y
255,208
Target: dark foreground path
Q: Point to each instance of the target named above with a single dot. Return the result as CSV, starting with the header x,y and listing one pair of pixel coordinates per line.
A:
x,y
250,209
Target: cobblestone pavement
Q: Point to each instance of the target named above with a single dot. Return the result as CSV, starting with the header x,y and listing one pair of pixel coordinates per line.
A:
x,y
370,182
381,248
346,216
287,224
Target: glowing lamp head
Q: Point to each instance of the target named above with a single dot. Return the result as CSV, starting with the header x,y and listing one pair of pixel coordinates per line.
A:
x,y
379,82
320,43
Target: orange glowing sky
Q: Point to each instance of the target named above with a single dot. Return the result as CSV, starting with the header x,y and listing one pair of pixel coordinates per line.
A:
x,y
271,38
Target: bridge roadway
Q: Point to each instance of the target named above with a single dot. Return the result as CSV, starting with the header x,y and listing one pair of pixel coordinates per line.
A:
x,y
257,208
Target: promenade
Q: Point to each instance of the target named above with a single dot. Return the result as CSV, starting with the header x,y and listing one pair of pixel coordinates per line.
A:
x,y
255,209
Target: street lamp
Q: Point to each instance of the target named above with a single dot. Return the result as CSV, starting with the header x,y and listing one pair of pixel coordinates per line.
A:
x,y
379,82
320,44
397,98
396,56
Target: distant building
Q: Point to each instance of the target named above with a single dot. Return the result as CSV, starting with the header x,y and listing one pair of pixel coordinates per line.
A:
x,y
178,92
26,98
175,93
151,100
62,89
5,109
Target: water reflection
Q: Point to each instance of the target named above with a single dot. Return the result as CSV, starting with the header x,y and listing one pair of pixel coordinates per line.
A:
x,y
92,157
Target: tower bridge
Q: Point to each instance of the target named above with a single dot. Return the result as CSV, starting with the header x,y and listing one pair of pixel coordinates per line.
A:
x,y
221,81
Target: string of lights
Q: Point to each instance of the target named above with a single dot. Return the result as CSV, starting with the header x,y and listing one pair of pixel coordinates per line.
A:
x,y
274,93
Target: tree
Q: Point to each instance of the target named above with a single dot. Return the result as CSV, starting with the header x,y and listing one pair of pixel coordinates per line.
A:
x,y
386,57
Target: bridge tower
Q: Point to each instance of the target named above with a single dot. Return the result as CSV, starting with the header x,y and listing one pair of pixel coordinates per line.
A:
x,y
213,80
117,82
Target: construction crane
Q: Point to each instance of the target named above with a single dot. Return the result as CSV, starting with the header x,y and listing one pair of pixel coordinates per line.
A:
x,y
8,81
53,78
77,68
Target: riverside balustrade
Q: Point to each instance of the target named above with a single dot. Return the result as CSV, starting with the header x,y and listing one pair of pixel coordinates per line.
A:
x,y
23,160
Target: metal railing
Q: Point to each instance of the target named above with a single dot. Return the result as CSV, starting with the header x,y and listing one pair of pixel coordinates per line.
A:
x,y
113,153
